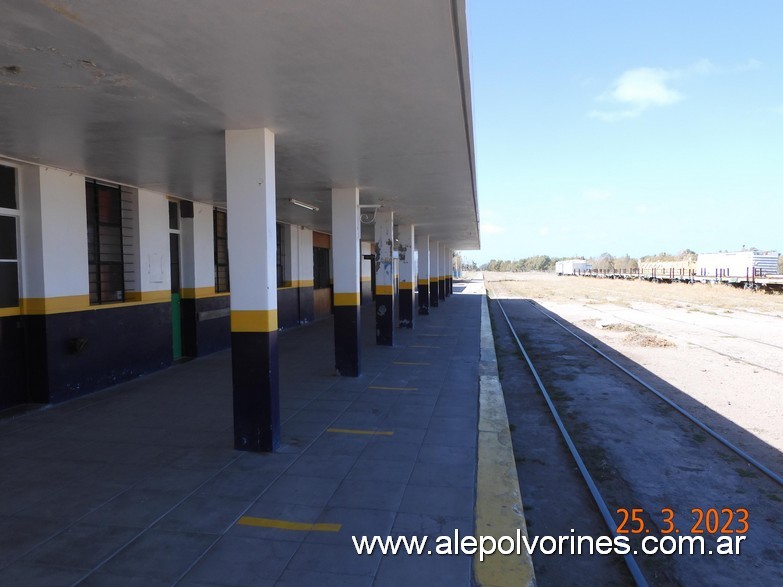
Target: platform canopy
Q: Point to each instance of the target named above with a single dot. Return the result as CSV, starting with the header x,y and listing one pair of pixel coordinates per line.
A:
x,y
373,93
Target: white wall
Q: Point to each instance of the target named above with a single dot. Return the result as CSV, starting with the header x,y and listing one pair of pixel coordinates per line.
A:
x,y
154,259
204,246
305,255
54,233
423,256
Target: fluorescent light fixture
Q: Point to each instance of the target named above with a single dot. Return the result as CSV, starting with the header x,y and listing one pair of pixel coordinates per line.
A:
x,y
304,205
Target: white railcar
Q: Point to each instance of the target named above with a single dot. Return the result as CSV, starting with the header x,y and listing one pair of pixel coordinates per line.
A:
x,y
736,266
572,267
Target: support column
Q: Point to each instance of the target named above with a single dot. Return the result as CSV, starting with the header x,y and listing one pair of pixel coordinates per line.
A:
x,y
449,271
453,272
442,274
250,189
434,272
423,248
384,277
407,276
346,252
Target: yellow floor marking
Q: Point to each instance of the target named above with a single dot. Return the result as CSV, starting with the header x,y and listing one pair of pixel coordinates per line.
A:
x,y
393,388
286,525
351,431
406,363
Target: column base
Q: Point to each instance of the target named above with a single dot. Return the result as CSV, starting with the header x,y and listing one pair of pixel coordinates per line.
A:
x,y
407,303
424,300
384,319
347,340
254,370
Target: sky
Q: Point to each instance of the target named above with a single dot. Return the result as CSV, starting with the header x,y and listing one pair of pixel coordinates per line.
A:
x,y
627,127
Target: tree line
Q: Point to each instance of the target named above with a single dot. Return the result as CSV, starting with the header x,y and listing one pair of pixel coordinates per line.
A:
x,y
603,262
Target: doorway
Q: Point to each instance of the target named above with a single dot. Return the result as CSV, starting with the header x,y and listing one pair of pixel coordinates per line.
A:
x,y
176,297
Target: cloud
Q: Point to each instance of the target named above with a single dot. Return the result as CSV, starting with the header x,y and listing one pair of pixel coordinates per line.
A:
x,y
646,87
597,195
639,89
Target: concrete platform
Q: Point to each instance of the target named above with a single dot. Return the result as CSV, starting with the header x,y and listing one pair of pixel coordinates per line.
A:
x,y
139,485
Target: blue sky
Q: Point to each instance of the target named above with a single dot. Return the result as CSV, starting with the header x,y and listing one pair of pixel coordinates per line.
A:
x,y
627,126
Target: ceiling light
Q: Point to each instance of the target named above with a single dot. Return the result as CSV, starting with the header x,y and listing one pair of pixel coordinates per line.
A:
x,y
304,205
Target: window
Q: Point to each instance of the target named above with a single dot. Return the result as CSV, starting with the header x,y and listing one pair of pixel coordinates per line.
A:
x,y
104,242
220,222
7,187
9,259
280,256
173,215
321,277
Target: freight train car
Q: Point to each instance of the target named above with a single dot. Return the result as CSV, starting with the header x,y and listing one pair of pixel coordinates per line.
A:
x,y
736,267
572,267
681,270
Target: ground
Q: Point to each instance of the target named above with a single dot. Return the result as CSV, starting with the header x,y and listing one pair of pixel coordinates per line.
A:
x,y
720,345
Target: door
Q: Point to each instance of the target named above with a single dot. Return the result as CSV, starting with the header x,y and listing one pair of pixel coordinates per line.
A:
x,y
12,339
176,308
371,259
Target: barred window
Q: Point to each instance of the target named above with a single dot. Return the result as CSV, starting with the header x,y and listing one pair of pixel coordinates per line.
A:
x,y
220,222
7,187
9,255
104,241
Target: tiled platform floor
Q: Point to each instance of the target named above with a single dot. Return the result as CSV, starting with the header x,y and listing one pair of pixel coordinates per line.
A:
x,y
139,485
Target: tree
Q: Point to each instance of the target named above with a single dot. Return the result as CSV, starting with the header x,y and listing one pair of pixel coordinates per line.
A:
x,y
626,264
605,262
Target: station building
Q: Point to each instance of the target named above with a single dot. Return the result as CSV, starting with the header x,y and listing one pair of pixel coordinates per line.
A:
x,y
177,178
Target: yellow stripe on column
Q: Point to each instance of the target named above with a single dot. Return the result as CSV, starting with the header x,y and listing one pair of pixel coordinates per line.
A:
x,y
253,320
433,280
346,299
424,281
406,285
384,290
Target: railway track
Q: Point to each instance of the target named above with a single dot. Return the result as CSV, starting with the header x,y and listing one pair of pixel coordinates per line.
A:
x,y
661,455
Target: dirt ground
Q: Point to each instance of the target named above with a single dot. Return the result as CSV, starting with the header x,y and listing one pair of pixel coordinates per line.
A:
x,y
722,346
